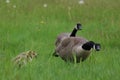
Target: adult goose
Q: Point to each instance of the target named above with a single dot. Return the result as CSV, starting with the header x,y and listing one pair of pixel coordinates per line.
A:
x,y
75,49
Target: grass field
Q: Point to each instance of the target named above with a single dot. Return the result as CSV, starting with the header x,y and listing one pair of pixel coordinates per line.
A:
x,y
31,25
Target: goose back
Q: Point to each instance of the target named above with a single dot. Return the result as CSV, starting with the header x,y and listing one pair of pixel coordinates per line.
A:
x,y
68,48
61,37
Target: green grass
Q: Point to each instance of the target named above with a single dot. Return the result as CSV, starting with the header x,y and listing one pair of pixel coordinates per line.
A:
x,y
21,29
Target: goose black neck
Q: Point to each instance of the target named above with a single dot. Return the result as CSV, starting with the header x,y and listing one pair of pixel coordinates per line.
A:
x,y
73,34
88,45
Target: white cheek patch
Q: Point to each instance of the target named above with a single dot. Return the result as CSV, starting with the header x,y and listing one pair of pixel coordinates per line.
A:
x,y
94,47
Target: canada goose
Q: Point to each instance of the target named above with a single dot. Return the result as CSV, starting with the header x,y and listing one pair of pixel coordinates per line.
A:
x,y
62,36
76,46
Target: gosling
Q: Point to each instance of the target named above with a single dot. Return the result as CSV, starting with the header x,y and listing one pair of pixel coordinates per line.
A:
x,y
24,57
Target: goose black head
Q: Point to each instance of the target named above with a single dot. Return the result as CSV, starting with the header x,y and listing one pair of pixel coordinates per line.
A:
x,y
88,45
79,26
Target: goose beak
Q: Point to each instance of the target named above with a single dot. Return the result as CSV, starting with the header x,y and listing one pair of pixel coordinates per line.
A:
x,y
97,47
79,26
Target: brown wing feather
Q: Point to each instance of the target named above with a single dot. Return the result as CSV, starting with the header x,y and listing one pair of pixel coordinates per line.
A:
x,y
60,38
65,48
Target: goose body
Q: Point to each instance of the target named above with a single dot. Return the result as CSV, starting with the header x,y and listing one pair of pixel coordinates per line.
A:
x,y
74,46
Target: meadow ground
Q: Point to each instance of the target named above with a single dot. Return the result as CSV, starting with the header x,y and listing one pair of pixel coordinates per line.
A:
x,y
34,25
